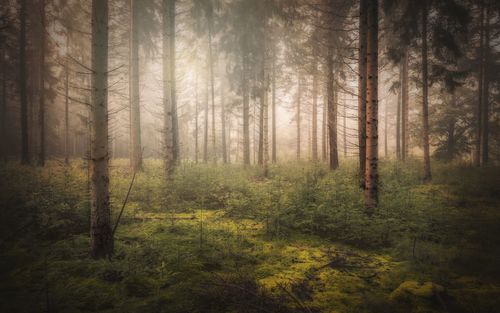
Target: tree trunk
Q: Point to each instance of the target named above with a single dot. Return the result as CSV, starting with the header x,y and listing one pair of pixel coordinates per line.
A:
x,y
66,105
168,131
299,96
315,113
265,115
362,69
344,127
212,89
196,131
23,93
274,106
135,110
485,110
425,94
477,153
386,148
371,166
173,58
332,111
324,125
451,129
246,108
404,108
223,125
260,152
3,109
101,237
205,132
398,115
41,97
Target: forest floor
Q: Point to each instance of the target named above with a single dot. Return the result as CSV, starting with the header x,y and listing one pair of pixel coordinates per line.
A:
x,y
224,239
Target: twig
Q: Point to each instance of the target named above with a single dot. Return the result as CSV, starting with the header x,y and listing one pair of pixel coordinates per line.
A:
x,y
124,203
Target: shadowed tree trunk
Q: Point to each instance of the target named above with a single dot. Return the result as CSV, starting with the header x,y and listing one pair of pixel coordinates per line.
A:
x,y
41,97
425,95
332,111
135,110
398,115
479,115
212,87
66,105
223,124
23,92
196,126
274,106
246,108
101,237
173,58
485,105
324,126
205,131
362,67
371,175
404,108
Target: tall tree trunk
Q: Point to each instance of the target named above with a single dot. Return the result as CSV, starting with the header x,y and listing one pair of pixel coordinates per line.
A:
x,y
315,113
324,125
260,153
101,237
299,96
362,81
205,131
485,105
223,124
425,94
3,109
246,109
371,166
404,108
212,89
135,110
479,114
450,143
274,106
168,131
265,115
386,148
332,111
23,92
344,128
196,131
173,58
66,105
41,97
398,115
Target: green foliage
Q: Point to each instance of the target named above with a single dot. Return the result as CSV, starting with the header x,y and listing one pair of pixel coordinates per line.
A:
x,y
224,239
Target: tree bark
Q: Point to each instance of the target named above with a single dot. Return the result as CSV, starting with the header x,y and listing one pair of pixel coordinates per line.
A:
x,y
212,89
398,114
404,108
66,105
223,125
371,166
168,131
362,68
274,106
425,95
101,237
205,132
41,96
196,126
485,110
315,113
332,111
246,108
135,110
299,96
173,71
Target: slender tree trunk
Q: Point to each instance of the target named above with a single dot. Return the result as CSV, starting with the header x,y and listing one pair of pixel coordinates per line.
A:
x,y
485,105
223,124
398,115
41,97
386,148
344,128
168,131
135,110
274,106
265,115
315,113
404,108
66,105
479,125
212,88
205,132
101,237
3,109
246,108
196,131
324,125
371,166
451,129
260,152
332,111
173,71
23,92
425,94
362,81
299,96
